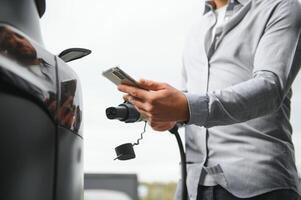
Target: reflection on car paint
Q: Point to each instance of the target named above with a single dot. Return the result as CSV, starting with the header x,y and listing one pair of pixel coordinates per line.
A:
x,y
70,107
27,67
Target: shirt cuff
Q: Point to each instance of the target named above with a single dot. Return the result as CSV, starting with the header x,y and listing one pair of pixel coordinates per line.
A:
x,y
198,109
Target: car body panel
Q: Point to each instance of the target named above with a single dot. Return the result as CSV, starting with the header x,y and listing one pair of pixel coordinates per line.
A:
x,y
40,122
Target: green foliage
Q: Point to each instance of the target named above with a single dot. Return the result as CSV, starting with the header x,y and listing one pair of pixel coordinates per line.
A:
x,y
159,191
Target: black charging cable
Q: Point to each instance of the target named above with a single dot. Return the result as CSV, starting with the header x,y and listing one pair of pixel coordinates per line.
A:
x,y
175,132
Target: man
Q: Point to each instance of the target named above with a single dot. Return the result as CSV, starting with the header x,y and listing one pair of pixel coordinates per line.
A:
x,y
239,64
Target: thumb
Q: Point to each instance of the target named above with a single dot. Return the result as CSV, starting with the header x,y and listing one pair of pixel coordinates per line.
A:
x,y
151,85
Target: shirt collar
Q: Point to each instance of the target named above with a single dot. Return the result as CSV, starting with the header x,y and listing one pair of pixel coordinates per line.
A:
x,y
243,2
209,4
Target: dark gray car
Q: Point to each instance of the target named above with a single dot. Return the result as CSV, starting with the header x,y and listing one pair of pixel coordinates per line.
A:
x,y
40,111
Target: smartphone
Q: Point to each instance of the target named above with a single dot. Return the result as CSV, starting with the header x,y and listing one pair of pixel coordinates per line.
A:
x,y
117,76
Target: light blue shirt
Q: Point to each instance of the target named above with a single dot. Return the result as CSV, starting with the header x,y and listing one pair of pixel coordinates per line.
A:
x,y
239,88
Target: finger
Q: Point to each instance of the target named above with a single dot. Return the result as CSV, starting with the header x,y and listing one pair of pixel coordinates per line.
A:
x,y
143,114
159,129
130,98
138,103
151,85
160,126
125,97
133,91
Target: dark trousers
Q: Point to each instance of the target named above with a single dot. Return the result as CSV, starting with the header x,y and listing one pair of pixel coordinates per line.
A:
x,y
219,193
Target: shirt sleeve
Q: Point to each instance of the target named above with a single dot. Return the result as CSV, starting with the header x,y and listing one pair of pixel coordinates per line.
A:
x,y
276,64
183,80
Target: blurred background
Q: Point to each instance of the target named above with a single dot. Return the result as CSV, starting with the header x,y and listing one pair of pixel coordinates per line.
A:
x,y
145,38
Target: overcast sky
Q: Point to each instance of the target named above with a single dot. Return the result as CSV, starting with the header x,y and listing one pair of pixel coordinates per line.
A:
x,y
145,38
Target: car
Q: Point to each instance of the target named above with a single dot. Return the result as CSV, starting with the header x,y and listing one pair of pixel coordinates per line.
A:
x,y
40,111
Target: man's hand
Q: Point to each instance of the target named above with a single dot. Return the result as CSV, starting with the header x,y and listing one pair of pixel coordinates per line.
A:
x,y
162,126
160,103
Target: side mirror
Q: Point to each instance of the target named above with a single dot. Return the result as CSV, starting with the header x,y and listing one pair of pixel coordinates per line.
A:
x,y
74,54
